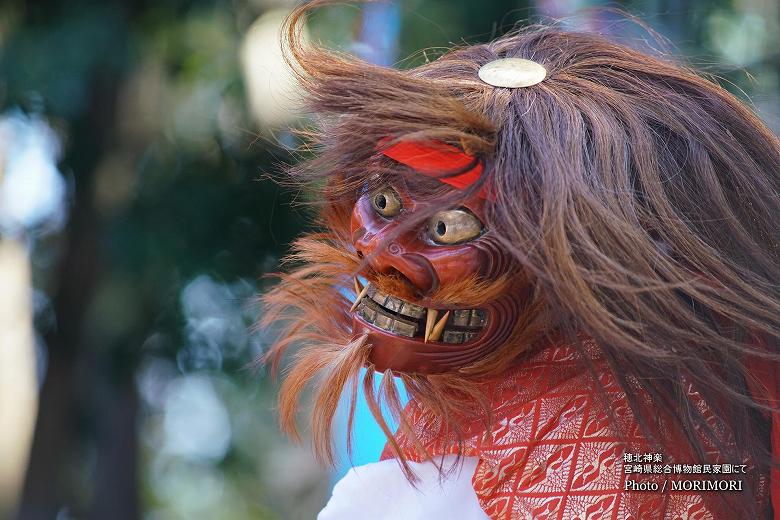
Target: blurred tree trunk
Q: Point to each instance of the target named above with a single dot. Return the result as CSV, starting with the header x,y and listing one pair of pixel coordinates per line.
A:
x,y
49,486
116,475
66,424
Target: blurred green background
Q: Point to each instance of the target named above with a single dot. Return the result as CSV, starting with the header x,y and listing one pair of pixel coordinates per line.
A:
x,y
135,228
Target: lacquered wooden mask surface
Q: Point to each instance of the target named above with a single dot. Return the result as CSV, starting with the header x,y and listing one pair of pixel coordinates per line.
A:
x,y
414,332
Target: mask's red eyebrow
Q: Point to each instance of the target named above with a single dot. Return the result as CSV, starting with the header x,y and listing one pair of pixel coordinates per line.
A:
x,y
438,160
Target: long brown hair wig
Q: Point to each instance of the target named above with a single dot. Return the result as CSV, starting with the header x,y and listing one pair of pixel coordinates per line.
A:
x,y
637,199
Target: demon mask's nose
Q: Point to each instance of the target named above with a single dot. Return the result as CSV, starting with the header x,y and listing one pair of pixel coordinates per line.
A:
x,y
396,257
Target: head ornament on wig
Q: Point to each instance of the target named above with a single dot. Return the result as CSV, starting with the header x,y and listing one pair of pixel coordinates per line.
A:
x,y
512,73
624,198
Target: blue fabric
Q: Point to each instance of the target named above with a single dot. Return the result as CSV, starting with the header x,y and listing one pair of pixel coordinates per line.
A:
x,y
368,439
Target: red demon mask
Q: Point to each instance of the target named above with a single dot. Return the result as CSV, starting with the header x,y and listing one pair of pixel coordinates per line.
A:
x,y
422,335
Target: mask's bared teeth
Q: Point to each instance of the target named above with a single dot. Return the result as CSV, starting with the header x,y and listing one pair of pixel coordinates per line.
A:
x,y
439,327
359,297
460,318
430,321
394,304
411,310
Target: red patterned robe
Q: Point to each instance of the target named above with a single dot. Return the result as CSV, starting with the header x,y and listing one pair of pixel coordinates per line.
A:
x,y
554,453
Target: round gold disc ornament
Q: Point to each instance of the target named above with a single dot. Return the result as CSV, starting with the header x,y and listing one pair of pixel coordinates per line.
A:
x,y
512,73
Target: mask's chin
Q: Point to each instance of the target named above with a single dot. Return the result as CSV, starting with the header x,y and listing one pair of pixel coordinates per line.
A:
x,y
407,337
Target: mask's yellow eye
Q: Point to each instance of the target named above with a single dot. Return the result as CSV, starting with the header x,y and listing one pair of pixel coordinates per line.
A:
x,y
454,226
386,202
